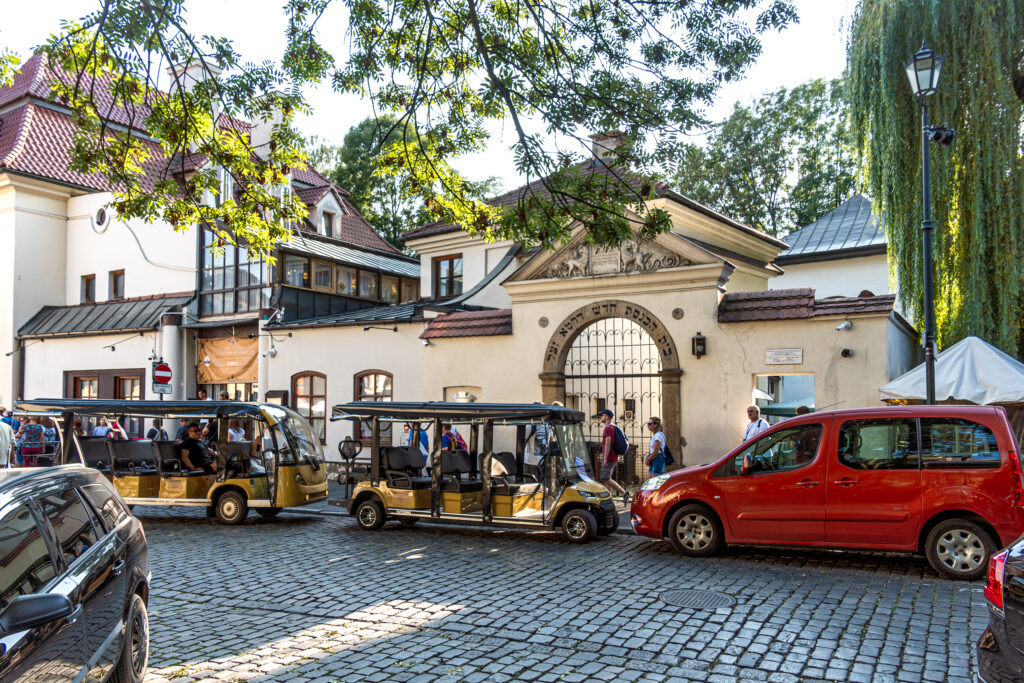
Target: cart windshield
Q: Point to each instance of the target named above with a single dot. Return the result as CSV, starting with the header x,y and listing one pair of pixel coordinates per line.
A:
x,y
305,443
571,447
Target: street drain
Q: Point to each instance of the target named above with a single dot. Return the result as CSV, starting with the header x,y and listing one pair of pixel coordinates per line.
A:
x,y
697,598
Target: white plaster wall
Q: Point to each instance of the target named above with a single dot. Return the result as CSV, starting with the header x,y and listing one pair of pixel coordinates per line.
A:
x,y
155,259
343,352
477,257
841,277
327,203
33,220
46,361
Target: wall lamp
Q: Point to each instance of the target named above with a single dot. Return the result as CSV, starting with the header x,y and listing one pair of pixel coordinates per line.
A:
x,y
699,345
375,327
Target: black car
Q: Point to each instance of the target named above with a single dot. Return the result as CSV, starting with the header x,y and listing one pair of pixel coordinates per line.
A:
x,y
1001,648
74,579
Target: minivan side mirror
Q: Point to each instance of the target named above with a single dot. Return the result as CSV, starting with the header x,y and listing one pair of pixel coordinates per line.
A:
x,y
29,611
747,467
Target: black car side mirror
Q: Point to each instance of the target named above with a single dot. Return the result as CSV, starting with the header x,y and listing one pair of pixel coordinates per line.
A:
x,y
747,467
29,611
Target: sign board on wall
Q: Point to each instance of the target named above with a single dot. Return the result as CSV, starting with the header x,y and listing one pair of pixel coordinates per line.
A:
x,y
783,356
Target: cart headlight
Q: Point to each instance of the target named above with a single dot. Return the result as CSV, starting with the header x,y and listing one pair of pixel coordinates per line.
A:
x,y
654,483
590,495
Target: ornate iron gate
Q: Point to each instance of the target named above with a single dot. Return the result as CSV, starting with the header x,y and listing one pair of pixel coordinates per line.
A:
x,y
615,364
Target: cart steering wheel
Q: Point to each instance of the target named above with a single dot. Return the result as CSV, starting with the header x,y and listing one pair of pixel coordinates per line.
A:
x,y
349,449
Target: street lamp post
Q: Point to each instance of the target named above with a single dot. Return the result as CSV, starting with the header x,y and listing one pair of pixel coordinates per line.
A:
x,y
923,70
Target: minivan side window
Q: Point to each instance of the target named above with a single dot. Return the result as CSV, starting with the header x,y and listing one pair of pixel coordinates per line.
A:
x,y
779,451
71,521
104,503
878,444
954,443
25,562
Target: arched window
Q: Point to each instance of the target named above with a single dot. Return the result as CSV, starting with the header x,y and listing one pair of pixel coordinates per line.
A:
x,y
309,399
373,385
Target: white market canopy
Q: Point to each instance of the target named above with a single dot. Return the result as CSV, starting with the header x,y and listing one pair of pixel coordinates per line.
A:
x,y
971,370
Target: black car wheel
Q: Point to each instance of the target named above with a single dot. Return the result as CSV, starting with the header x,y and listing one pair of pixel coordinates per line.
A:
x,y
370,515
231,508
694,530
131,667
267,513
959,549
579,525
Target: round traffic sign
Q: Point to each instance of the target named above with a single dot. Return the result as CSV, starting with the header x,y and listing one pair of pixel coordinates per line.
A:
x,y
162,373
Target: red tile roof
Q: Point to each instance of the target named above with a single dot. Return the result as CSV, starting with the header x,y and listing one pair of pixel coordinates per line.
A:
x,y
788,304
470,324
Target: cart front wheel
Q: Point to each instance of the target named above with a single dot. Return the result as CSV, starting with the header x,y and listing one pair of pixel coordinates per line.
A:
x,y
579,526
370,515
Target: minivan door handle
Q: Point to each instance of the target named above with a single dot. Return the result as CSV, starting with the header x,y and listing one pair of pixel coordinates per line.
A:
x,y
846,481
807,483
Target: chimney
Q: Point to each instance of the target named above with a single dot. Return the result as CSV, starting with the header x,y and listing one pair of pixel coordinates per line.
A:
x,y
259,133
188,74
603,145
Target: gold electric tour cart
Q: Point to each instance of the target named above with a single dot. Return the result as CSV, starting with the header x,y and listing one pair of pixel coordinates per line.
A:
x,y
275,463
524,465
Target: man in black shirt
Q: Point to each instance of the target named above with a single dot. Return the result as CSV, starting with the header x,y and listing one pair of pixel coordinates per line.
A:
x,y
195,456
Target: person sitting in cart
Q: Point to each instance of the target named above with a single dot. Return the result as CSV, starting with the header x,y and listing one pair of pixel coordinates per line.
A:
x,y
194,455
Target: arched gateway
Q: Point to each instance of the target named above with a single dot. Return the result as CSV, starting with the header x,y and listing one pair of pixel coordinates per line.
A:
x,y
616,355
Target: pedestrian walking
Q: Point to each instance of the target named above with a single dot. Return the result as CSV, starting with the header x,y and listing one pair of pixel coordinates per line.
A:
x,y
102,428
157,431
6,444
51,437
182,432
613,444
655,459
757,423
31,439
9,420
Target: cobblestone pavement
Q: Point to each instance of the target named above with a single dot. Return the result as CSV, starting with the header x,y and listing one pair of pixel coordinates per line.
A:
x,y
313,598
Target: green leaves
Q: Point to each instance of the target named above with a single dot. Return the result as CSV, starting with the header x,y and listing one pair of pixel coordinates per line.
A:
x,y
444,69
977,183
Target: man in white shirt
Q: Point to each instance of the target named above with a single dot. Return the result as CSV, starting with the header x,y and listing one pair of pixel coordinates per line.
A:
x,y
6,442
757,423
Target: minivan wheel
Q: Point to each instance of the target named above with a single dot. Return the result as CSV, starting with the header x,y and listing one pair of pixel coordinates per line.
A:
x,y
694,530
131,666
231,508
370,515
579,526
959,549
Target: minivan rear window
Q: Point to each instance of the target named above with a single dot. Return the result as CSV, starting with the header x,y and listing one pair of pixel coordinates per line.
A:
x,y
951,443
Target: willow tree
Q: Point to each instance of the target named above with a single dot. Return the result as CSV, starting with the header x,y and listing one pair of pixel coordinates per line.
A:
x,y
977,183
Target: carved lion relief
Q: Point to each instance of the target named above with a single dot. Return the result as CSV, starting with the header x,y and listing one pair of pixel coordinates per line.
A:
x,y
633,256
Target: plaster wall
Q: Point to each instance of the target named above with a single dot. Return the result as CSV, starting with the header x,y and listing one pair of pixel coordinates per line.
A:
x,y
478,257
341,353
840,277
155,258
33,222
46,361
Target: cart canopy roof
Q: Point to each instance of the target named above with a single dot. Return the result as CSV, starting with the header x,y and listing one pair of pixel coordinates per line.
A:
x,y
456,412
163,409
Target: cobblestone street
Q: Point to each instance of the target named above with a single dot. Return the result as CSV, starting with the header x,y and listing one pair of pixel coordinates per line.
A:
x,y
311,598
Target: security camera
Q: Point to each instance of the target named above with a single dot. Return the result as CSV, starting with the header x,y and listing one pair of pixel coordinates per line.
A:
x,y
846,353
843,326
426,342
151,356
272,352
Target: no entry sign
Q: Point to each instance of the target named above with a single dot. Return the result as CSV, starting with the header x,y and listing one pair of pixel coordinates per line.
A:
x,y
161,373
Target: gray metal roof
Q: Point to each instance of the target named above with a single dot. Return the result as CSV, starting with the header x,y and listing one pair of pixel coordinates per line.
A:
x,y
850,226
390,312
102,317
307,246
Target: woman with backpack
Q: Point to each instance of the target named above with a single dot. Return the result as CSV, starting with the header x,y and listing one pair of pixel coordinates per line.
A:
x,y
655,459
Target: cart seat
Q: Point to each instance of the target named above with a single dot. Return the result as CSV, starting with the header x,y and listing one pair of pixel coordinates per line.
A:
x,y
94,452
453,467
503,478
132,457
236,458
397,467
168,457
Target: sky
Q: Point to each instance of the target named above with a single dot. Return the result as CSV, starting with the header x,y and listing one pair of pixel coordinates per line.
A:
x,y
813,48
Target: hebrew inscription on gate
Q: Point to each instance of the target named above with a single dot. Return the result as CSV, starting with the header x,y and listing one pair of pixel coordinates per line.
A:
x,y
581,317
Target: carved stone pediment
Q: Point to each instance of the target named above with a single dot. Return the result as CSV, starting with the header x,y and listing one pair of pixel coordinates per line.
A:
x,y
634,256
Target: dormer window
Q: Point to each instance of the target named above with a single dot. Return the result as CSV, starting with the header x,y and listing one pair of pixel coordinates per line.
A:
x,y
326,223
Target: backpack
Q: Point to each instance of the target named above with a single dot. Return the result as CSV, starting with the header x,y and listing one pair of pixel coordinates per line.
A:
x,y
460,443
620,445
669,460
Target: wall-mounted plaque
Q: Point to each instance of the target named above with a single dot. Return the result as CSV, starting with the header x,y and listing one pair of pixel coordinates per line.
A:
x,y
783,356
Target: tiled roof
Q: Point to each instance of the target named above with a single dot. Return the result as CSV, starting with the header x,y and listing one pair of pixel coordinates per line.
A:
x,y
661,189
850,226
470,324
126,315
311,195
789,304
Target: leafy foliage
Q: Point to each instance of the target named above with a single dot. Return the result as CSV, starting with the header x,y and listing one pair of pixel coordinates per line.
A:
x,y
977,183
443,69
777,164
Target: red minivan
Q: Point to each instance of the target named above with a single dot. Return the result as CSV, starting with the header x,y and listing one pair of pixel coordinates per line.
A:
x,y
940,480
